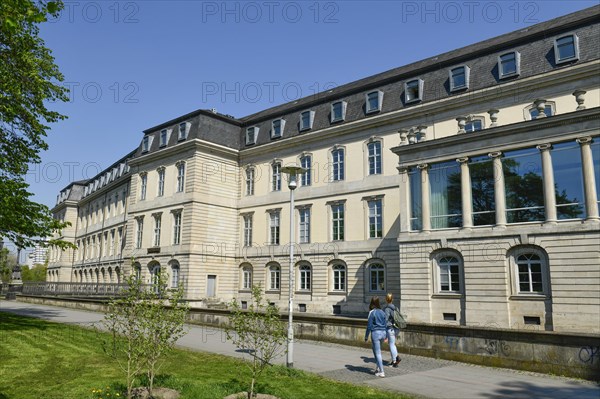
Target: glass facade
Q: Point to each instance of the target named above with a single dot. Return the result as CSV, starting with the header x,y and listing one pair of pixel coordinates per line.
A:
x,y
445,195
481,170
524,186
568,180
414,177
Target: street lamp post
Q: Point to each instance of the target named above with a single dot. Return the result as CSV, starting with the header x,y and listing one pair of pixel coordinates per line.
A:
x,y
292,172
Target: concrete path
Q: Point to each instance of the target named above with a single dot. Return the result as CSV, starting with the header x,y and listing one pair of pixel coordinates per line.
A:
x,y
416,375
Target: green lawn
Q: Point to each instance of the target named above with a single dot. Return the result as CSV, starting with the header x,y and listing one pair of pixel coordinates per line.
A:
x,y
39,359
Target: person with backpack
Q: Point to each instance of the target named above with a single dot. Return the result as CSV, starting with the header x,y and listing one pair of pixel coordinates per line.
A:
x,y
392,328
376,327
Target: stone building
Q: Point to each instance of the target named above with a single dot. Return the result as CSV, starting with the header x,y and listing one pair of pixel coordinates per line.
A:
x,y
465,184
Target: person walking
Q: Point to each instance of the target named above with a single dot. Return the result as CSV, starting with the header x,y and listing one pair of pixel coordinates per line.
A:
x,y
391,330
376,327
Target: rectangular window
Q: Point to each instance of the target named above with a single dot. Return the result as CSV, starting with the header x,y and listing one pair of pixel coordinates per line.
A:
x,y
176,228
306,177
449,275
247,230
338,164
445,195
246,278
459,78
509,64
139,234
481,170
251,134
530,276
337,221
304,225
146,144
161,182
274,274
163,137
566,49
274,227
276,177
474,125
375,219
143,186
182,131
524,186
306,120
373,101
249,181
413,91
339,278
414,180
568,180
157,224
180,176
338,111
276,128
374,149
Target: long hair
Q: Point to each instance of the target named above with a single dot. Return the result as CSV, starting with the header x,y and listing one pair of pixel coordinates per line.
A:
x,y
374,303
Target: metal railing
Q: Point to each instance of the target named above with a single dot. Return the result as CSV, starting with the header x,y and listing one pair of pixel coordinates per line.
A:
x,y
74,289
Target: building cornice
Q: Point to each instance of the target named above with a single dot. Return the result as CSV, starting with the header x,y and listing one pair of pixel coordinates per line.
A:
x,y
196,144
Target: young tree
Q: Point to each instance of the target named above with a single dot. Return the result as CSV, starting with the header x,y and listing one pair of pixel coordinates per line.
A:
x,y
29,81
163,318
259,331
124,321
145,323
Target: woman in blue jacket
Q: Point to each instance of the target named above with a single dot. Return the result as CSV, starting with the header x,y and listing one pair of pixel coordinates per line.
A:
x,y
376,326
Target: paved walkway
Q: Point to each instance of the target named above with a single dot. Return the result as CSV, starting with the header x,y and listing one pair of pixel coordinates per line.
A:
x,y
432,378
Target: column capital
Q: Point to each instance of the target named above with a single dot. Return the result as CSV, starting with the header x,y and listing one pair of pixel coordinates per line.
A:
x,y
495,154
423,166
584,140
462,160
402,169
544,147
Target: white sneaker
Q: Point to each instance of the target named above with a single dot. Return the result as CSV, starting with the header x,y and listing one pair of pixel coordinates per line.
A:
x,y
381,374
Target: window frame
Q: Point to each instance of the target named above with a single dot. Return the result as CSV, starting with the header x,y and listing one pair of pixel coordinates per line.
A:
x,y
281,128
146,143
276,176
157,230
274,226
250,172
304,226
368,108
306,177
528,109
304,277
517,71
180,177
139,235
377,163
175,273
164,133
274,275
311,117
342,283
251,135
420,86
143,187
183,136
343,106
575,57
177,222
246,280
248,222
382,269
338,221
473,119
467,74
515,254
337,165
378,202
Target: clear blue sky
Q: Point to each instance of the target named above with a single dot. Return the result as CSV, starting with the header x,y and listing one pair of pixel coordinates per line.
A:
x,y
134,64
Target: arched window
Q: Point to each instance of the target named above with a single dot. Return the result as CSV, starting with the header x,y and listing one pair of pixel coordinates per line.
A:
x,y
376,277
529,269
155,275
174,274
339,277
274,277
246,277
304,277
110,275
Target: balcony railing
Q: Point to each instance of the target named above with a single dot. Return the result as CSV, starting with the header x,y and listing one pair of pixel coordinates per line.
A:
x,y
74,289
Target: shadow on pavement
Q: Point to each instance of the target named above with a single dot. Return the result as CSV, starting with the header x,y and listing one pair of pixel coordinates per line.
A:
x,y
520,389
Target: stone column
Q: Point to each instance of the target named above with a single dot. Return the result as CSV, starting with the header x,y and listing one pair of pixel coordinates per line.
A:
x,y
499,193
548,178
425,207
404,199
589,179
465,191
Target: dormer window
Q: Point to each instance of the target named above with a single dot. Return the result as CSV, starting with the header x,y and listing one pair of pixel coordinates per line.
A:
x,y
183,130
338,111
509,64
251,134
163,137
413,91
566,49
277,127
146,144
474,125
306,120
374,100
459,78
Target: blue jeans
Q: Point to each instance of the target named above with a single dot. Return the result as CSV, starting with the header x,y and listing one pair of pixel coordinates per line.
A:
x,y
376,338
391,336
